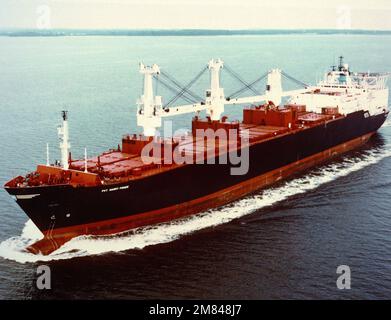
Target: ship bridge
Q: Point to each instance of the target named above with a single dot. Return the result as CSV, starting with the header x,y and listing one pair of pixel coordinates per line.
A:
x,y
343,78
347,90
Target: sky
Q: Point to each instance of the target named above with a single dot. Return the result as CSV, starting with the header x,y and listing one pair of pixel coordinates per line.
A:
x,y
196,14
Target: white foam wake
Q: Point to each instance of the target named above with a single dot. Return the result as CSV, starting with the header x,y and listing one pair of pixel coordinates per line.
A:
x,y
387,123
12,248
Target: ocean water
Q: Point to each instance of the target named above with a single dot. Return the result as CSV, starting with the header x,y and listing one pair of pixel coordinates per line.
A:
x,y
283,242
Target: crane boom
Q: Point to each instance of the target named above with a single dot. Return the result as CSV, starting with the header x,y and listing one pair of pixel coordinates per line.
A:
x,y
255,99
151,111
178,110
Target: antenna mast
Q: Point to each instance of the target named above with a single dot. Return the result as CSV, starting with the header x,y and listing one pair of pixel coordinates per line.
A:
x,y
47,155
340,63
85,160
63,135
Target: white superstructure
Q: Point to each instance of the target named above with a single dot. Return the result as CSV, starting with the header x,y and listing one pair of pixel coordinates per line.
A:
x,y
348,91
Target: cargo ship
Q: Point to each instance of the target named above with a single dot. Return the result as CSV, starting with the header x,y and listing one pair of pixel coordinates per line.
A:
x,y
150,179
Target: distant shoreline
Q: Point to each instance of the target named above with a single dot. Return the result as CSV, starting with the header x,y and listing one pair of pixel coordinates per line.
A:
x,y
182,32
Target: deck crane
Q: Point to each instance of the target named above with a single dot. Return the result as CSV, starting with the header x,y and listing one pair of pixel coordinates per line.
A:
x,y
150,110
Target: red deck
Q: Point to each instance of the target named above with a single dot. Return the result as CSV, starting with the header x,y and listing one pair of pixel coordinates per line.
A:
x,y
119,164
116,165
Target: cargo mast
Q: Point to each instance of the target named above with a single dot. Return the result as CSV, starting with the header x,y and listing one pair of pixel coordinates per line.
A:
x,y
149,106
150,111
215,95
274,87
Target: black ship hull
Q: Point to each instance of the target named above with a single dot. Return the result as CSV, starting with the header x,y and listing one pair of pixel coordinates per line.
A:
x,y
65,211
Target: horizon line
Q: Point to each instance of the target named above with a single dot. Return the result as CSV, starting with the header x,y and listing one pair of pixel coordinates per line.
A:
x,y
58,32
192,29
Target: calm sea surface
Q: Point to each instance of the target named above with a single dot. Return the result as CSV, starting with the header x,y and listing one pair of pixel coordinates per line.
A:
x,y
284,242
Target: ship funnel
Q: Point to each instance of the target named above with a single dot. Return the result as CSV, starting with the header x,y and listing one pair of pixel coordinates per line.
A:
x,y
63,135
